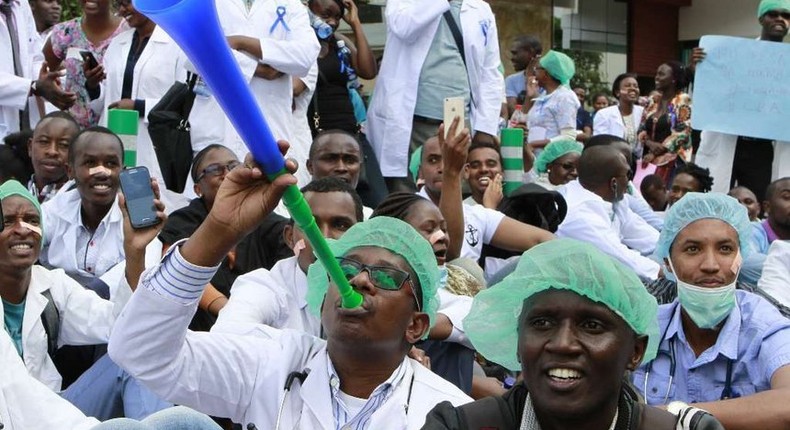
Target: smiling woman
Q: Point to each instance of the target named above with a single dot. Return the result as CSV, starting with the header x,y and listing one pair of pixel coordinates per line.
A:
x,y
583,321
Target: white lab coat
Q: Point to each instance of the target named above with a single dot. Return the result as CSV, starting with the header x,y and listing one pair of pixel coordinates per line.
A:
x,y
157,69
63,219
272,297
242,377
640,207
14,89
775,279
609,121
411,26
292,51
301,134
26,404
628,238
85,319
717,153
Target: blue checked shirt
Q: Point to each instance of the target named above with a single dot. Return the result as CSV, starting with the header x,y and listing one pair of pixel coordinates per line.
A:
x,y
343,420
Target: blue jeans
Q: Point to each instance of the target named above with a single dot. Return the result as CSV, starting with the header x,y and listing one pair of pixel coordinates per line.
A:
x,y
106,391
177,418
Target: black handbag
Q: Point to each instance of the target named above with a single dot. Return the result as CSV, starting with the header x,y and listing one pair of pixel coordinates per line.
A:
x,y
168,127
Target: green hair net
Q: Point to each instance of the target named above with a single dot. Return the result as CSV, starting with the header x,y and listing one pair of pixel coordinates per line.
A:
x,y
414,163
559,66
15,188
696,206
391,234
562,264
769,5
555,150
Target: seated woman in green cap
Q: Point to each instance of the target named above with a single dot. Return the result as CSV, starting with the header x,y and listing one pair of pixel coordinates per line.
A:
x,y
556,165
573,320
551,114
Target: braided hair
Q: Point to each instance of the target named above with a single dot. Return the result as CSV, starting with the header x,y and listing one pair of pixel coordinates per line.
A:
x,y
702,175
397,205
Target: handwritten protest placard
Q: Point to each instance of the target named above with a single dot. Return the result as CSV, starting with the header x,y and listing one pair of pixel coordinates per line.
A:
x,y
743,88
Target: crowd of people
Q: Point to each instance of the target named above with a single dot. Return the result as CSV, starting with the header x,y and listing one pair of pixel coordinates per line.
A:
x,y
633,279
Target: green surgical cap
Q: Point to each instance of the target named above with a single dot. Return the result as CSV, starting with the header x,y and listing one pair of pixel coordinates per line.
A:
x,y
15,188
559,66
555,150
696,206
391,234
414,163
769,5
561,264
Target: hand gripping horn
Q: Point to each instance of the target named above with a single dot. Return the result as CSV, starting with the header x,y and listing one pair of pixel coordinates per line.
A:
x,y
194,25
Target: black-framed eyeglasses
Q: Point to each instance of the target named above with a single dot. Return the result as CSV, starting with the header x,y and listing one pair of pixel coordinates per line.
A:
x,y
382,277
776,14
217,169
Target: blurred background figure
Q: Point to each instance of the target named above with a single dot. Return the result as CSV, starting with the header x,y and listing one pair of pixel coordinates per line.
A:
x,y
92,32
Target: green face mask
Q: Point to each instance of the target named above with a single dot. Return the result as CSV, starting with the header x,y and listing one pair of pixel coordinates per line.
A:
x,y
707,307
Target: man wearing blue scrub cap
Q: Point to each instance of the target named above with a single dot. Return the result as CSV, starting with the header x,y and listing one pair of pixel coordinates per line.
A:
x,y
726,351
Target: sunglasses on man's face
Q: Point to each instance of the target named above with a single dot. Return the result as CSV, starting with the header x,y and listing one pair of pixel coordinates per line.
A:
x,y
382,277
217,169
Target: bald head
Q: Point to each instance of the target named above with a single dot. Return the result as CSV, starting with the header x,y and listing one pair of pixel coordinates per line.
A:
x,y
604,171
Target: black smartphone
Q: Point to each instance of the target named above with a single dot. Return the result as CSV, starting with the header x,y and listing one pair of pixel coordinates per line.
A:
x,y
87,57
136,187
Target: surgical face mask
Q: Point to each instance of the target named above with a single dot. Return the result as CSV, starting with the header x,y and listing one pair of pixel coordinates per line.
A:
x,y
707,307
443,274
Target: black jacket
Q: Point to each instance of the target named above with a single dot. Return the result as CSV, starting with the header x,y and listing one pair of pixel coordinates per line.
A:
x,y
504,413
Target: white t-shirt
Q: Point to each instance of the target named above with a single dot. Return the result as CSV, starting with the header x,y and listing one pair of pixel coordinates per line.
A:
x,y
480,224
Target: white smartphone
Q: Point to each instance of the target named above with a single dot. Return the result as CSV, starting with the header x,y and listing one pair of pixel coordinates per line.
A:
x,y
453,107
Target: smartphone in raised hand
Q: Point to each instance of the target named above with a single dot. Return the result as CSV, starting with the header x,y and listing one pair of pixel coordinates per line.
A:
x,y
453,107
89,59
136,188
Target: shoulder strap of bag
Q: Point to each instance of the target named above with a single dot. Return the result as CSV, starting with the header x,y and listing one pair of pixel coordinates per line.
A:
x,y
317,115
50,318
459,38
459,42
190,100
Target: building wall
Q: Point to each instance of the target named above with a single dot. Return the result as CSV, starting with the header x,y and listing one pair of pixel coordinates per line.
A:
x,y
516,17
653,29
719,17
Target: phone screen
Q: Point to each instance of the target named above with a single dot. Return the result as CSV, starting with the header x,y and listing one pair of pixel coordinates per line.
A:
x,y
136,187
87,56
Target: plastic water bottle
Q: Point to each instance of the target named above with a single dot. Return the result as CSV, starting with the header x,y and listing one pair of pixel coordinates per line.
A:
x,y
345,58
322,29
517,118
